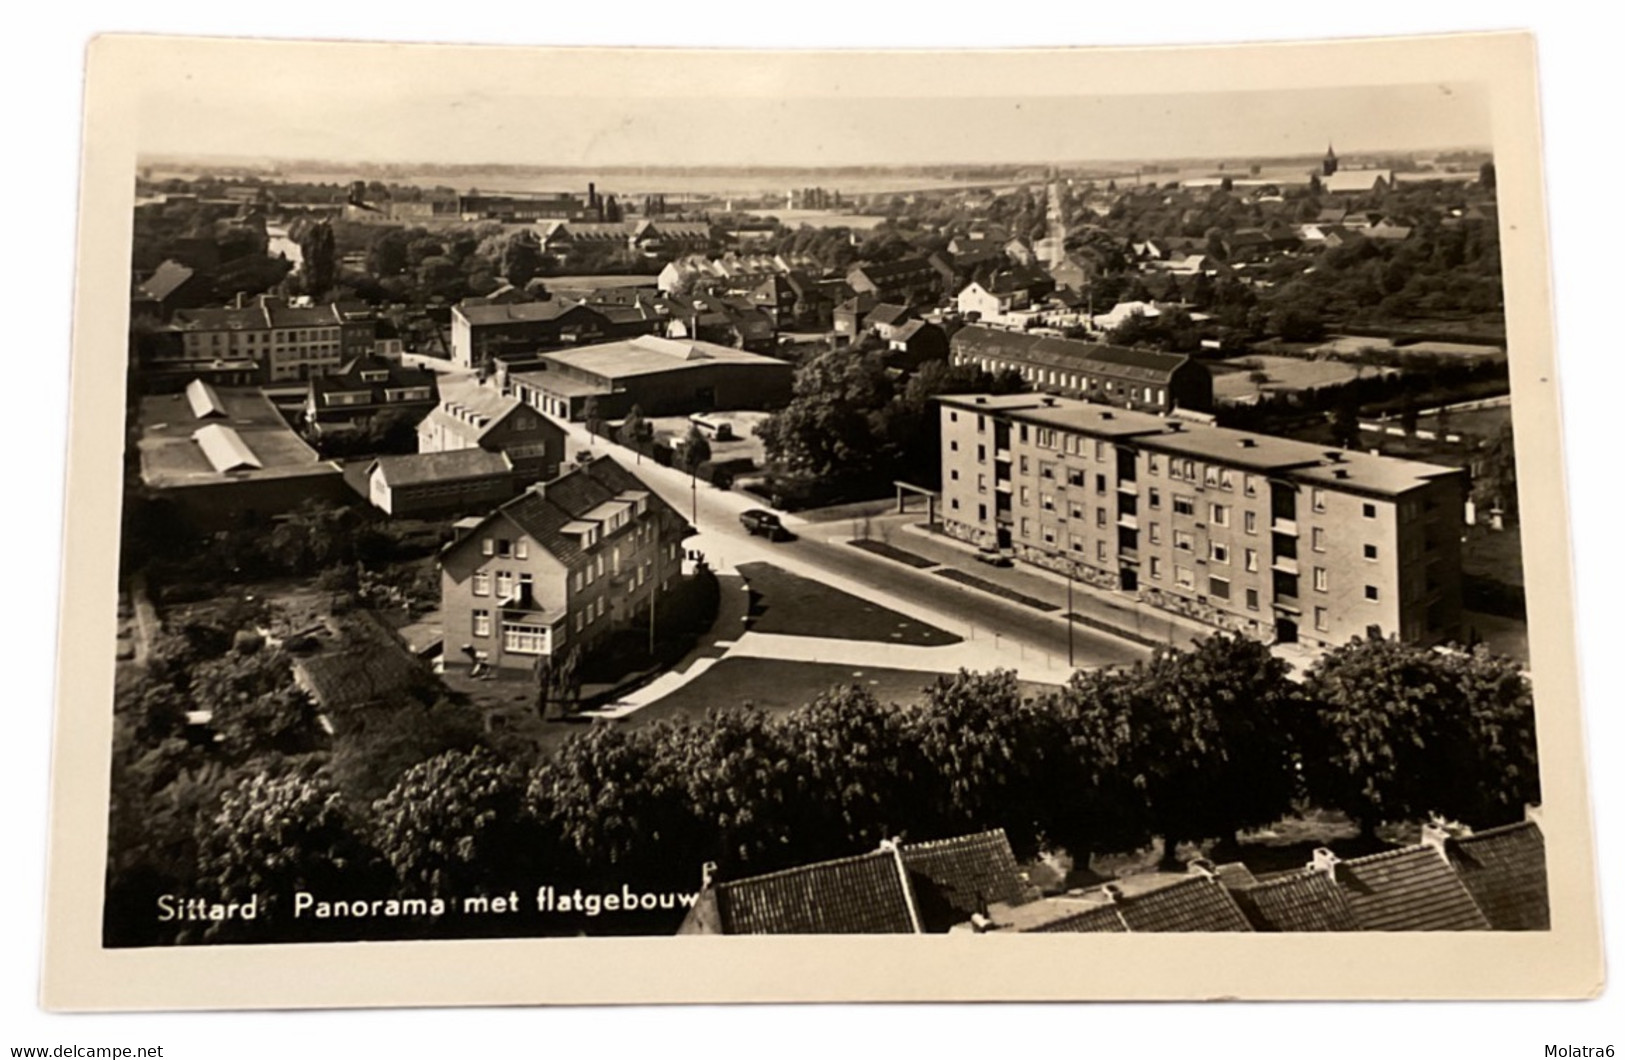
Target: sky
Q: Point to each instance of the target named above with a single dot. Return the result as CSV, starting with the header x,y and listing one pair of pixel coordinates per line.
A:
x,y
601,109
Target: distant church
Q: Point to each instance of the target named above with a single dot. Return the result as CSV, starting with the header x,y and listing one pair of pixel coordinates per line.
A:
x,y
1328,165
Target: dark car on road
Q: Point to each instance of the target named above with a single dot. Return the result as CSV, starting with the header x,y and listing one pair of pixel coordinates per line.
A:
x,y
764,523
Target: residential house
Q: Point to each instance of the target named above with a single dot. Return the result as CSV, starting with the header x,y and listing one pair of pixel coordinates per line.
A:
x,y
909,280
287,342
475,416
885,318
848,317
560,567
915,343
481,332
365,388
171,286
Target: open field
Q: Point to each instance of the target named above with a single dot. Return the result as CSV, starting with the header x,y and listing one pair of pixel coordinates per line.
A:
x,y
1231,382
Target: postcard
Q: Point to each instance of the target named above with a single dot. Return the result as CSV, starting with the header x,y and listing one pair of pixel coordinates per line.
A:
x,y
534,513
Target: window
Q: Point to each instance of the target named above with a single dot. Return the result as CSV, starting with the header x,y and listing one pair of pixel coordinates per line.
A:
x,y
580,581
488,547
1100,551
981,513
953,475
504,584
1046,438
1100,450
1026,527
1371,592
1321,579
1218,553
1221,515
981,483
1184,577
1250,486
1154,498
482,623
1046,469
953,417
1184,541
1049,536
524,640
1210,475
1046,501
953,447
1076,510
1320,619
1317,539
1153,464
1368,510
1184,505
1075,478
1227,479
1252,599
521,549
1250,559
1100,483
1371,552
1218,588
1026,496
482,584
1024,462
1154,531
1156,568
504,547
981,453
1249,521
1317,499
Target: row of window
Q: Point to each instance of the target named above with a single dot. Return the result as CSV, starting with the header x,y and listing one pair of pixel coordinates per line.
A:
x,y
1073,381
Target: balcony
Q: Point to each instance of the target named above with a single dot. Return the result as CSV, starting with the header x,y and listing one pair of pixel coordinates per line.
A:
x,y
1128,555
1288,604
1128,486
1003,485
1280,525
1002,454
1285,564
1128,521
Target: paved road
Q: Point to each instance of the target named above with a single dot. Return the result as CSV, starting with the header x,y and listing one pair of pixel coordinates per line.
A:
x,y
822,548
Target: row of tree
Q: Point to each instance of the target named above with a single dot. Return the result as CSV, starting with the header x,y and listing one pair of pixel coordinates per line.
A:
x,y
1191,746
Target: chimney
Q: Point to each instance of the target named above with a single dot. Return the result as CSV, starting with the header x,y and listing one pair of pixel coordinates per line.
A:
x,y
1334,455
708,875
1049,402
1341,472
1436,835
1113,893
1202,867
1248,443
1325,861
1107,416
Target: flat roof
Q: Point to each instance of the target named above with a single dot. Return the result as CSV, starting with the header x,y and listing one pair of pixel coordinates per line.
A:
x,y
1342,469
174,448
648,355
560,384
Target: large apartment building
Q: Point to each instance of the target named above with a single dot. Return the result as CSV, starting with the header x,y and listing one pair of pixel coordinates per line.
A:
x,y
1282,540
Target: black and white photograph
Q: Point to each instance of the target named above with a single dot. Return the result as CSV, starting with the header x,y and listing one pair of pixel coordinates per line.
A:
x,y
785,506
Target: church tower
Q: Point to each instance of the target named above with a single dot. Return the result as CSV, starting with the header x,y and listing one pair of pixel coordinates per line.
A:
x,y
1329,165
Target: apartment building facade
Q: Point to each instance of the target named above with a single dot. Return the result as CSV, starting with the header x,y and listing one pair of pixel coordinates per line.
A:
x,y
564,563
1280,540
288,343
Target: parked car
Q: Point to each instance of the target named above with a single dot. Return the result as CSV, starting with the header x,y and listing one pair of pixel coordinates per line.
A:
x,y
764,523
992,557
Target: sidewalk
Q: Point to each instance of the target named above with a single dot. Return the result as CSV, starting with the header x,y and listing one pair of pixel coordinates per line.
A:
x,y
1116,613
977,655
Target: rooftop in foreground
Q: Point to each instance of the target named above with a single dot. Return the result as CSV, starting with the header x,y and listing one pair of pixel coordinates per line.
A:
x,y
240,434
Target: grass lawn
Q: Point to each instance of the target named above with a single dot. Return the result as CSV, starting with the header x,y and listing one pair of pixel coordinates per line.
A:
x,y
790,604
1493,554
778,686
1230,382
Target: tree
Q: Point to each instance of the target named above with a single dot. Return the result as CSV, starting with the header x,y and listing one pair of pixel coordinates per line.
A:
x,y
521,258
1396,732
457,824
274,835
592,418
1486,176
696,451
1211,744
636,431
253,703
1258,377
1495,482
1346,419
320,260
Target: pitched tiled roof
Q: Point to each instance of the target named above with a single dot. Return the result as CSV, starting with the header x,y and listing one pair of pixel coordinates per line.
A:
x,y
1306,900
523,312
543,510
956,878
1409,889
421,468
1097,919
379,673
860,895
1070,354
1504,869
1198,903
885,313
892,270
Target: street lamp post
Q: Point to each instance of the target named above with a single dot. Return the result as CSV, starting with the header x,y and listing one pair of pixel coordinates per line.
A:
x,y
1071,572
